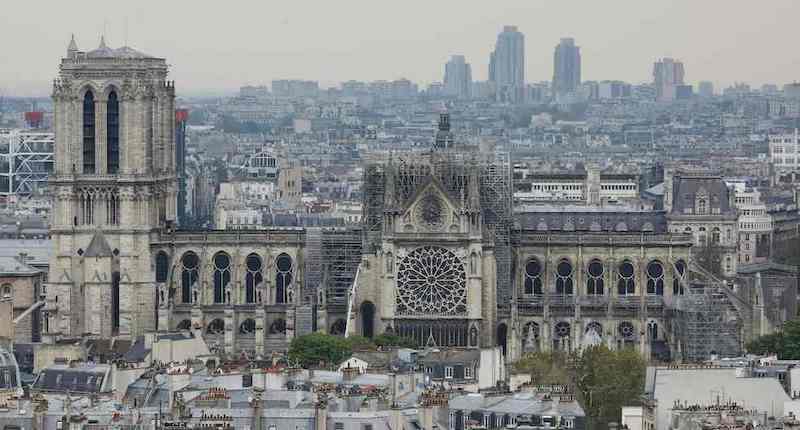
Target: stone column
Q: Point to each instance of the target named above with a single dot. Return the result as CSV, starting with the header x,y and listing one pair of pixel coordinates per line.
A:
x,y
261,320
230,331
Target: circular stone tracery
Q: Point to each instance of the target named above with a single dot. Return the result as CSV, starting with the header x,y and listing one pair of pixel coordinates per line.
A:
x,y
431,281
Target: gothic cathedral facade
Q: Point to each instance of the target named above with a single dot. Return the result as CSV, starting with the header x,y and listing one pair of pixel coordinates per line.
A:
x,y
113,187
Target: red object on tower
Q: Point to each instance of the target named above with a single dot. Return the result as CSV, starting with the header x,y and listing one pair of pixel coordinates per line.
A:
x,y
181,115
34,119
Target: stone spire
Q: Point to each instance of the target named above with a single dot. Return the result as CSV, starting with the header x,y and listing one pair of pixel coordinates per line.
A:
x,y
72,45
72,49
102,42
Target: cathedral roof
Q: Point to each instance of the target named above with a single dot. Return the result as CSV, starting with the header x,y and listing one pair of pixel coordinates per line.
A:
x,y
103,51
98,247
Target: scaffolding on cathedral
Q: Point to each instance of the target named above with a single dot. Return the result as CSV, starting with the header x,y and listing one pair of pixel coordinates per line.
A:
x,y
26,159
452,168
708,318
339,256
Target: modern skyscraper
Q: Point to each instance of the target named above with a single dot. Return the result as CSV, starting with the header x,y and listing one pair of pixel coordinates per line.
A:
x,y
507,64
667,76
566,67
458,77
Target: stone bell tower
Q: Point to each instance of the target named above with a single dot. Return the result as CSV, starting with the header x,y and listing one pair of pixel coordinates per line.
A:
x,y
113,188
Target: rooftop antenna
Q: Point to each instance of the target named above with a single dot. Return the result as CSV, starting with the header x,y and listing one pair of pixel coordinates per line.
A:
x,y
125,27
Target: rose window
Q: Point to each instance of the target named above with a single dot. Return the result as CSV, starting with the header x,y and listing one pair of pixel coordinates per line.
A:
x,y
431,281
626,330
430,212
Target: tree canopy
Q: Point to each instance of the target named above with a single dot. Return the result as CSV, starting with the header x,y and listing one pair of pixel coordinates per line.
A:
x,y
604,380
786,343
326,350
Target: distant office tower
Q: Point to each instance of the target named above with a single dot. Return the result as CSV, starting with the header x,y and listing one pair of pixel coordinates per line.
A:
x,y
295,88
667,76
566,67
507,64
705,89
458,77
792,90
613,90
683,92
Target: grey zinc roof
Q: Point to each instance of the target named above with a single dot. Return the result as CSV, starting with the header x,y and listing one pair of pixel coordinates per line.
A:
x,y
452,356
686,188
517,404
585,218
38,250
13,266
702,385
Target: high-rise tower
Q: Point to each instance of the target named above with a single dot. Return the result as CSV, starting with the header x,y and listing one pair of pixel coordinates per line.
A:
x,y
507,64
667,77
566,67
458,77
113,187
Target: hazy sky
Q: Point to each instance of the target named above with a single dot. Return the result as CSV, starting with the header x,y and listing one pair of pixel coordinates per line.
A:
x,y
221,45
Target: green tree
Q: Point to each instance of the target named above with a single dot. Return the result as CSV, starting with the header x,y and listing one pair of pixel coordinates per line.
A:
x,y
607,380
767,344
604,380
546,368
360,343
390,340
785,343
319,349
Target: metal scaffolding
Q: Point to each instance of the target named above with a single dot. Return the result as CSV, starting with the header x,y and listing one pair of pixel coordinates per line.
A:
x,y
340,255
709,319
26,159
454,169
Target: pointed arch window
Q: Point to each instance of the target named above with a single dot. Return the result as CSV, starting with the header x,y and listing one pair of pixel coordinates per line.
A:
x,y
112,133
564,278
253,277
678,278
283,278
625,279
222,276
189,276
533,278
162,266
594,279
88,132
655,278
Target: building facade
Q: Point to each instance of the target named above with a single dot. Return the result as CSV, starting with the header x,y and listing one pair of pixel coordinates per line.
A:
x,y
667,77
440,256
701,204
458,77
507,64
566,67
113,186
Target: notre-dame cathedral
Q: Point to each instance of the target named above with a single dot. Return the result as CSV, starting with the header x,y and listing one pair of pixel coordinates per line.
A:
x,y
442,257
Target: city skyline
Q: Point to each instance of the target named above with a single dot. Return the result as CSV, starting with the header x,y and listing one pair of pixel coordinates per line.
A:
x,y
271,42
